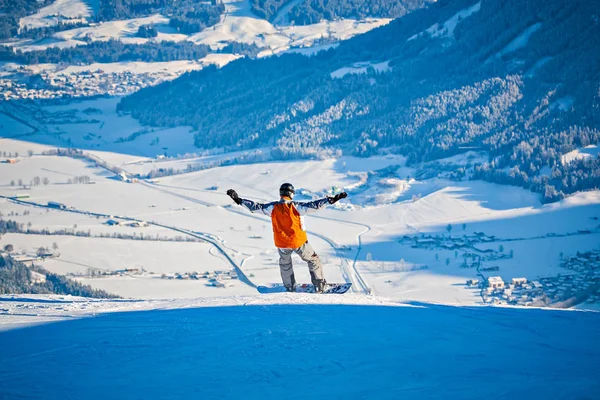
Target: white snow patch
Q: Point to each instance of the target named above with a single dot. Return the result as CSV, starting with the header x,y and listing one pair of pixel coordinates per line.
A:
x,y
590,151
535,67
520,41
310,50
282,17
121,29
446,29
60,11
361,68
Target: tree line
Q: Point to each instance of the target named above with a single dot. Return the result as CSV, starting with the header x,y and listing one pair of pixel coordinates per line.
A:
x,y
108,52
114,50
308,12
16,278
188,16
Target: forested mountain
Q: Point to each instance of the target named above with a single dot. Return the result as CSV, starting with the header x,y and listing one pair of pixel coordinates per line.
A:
x,y
519,79
12,10
306,12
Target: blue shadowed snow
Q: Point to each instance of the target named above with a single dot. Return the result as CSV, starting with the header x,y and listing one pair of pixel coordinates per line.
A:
x,y
307,351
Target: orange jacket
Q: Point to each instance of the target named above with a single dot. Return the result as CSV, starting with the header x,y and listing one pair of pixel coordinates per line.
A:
x,y
287,218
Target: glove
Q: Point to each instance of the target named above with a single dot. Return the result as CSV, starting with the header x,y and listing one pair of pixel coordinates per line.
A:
x,y
337,197
234,196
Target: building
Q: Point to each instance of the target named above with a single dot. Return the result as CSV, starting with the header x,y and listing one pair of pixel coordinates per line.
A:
x,y
495,282
519,281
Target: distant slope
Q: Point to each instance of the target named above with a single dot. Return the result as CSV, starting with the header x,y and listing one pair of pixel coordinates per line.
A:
x,y
271,346
519,79
305,12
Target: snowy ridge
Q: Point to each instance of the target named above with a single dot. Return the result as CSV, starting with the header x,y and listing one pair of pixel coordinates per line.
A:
x,y
24,310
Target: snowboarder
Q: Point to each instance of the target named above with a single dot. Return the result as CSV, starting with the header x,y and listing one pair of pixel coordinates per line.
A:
x,y
289,232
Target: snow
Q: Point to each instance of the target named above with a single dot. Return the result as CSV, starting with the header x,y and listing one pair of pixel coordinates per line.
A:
x,y
536,66
238,25
309,50
520,41
349,346
122,29
107,130
282,17
169,68
468,158
446,29
81,255
10,127
587,152
361,68
241,25
65,11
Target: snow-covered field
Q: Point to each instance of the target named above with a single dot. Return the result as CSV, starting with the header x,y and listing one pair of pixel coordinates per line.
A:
x,y
285,346
359,239
60,11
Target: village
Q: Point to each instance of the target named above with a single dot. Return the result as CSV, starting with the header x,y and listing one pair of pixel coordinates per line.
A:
x,y
561,291
218,279
581,283
50,85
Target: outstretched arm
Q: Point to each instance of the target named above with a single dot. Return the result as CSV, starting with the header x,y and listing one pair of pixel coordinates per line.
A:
x,y
315,205
266,209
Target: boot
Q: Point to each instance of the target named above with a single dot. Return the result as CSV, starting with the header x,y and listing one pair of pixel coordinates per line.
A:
x,y
291,288
320,285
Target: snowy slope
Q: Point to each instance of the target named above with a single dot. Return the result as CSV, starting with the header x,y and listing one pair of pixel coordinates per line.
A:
x,y
285,346
60,11
588,152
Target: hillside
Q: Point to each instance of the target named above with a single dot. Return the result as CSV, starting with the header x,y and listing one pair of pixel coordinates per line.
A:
x,y
253,347
305,12
516,79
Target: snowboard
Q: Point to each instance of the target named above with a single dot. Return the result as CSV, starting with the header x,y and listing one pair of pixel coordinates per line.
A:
x,y
337,288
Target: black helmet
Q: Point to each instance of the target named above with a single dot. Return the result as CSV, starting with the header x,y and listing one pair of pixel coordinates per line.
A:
x,y
287,189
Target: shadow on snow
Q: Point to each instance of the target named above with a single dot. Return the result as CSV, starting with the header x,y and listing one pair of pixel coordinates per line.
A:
x,y
288,351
